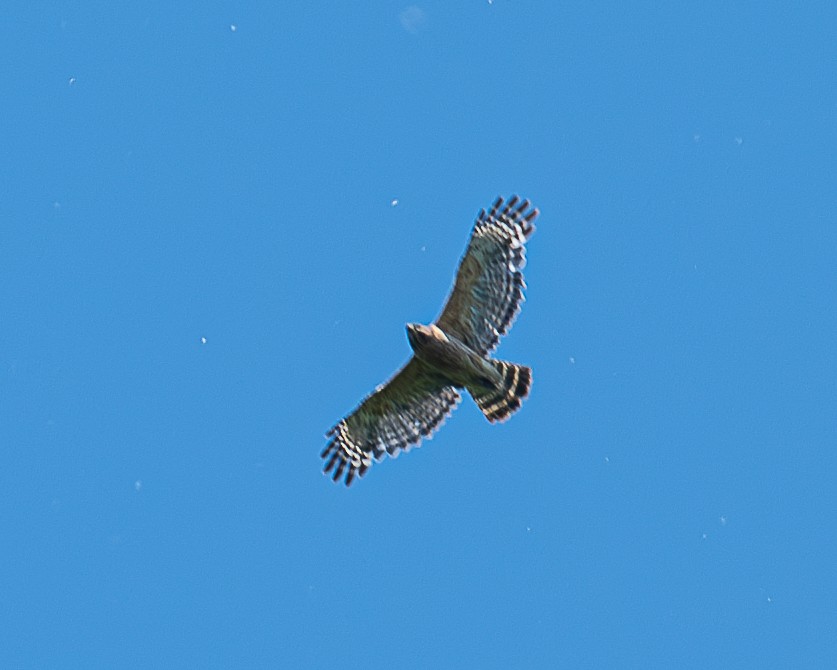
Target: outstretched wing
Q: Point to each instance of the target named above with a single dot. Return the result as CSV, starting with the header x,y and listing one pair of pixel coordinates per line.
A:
x,y
489,284
397,415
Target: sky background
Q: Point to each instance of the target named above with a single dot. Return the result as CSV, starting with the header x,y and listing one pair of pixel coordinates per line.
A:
x,y
215,220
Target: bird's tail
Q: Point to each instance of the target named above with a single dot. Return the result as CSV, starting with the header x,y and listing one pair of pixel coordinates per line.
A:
x,y
501,401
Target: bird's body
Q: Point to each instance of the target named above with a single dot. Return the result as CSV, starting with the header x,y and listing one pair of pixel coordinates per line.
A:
x,y
453,360
451,354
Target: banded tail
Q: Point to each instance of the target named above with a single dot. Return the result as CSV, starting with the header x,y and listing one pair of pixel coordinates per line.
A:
x,y
500,402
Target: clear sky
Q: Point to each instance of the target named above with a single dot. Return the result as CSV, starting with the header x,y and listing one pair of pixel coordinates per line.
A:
x,y
215,220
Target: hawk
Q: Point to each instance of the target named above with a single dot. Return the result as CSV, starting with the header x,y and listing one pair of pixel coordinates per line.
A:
x,y
451,354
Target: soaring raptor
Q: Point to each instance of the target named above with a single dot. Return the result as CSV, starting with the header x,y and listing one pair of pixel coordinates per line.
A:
x,y
450,354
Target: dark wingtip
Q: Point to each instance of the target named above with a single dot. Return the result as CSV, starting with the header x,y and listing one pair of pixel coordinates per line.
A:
x,y
331,461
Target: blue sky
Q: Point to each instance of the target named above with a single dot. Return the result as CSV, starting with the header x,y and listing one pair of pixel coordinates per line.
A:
x,y
202,269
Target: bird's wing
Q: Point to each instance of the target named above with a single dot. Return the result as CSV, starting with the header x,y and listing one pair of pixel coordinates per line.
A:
x,y
396,416
489,284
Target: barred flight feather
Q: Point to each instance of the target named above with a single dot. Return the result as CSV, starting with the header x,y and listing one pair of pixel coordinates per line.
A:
x,y
379,425
499,403
489,285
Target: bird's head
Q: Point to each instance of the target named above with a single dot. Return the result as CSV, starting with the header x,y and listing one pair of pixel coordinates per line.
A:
x,y
420,335
417,334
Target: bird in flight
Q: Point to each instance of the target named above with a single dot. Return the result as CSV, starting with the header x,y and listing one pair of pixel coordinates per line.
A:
x,y
450,354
